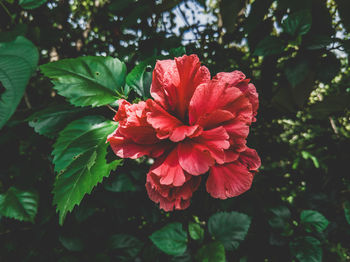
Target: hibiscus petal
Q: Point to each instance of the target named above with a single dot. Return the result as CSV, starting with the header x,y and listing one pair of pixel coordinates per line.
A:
x,y
193,159
215,119
215,141
169,170
168,126
127,148
218,95
237,78
174,82
250,159
170,197
228,180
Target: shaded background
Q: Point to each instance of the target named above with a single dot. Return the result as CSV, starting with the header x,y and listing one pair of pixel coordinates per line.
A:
x,y
296,54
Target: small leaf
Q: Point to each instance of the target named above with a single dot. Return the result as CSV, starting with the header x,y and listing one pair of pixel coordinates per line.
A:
x,y
306,249
229,228
313,220
31,4
171,239
80,160
196,231
18,61
280,217
213,252
298,23
176,52
71,243
51,120
127,246
140,78
87,81
347,211
18,204
270,45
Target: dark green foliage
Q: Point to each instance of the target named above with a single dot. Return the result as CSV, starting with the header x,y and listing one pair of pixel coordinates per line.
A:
x,y
295,52
18,61
171,239
229,228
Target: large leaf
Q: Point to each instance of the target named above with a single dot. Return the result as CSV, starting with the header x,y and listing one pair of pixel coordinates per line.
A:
x,y
31,4
213,252
51,120
171,239
270,45
18,61
18,204
298,23
140,78
306,249
313,220
88,81
71,242
127,246
229,228
256,15
80,160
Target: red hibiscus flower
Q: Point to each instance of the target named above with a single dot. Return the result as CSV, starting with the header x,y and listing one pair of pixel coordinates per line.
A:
x,y
194,125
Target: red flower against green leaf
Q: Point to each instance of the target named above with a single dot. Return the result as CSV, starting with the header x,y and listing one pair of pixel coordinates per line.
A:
x,y
194,125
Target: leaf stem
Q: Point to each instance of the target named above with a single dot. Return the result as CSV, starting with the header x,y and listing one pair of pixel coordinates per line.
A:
x,y
111,108
6,10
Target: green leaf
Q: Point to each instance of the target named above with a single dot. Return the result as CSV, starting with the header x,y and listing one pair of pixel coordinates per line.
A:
x,y
128,246
80,160
319,42
31,4
328,68
120,183
176,52
313,220
298,23
347,211
18,61
171,239
71,243
51,120
270,45
331,104
229,11
213,252
256,15
18,204
8,36
140,78
87,81
306,249
229,228
196,231
296,70
280,217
